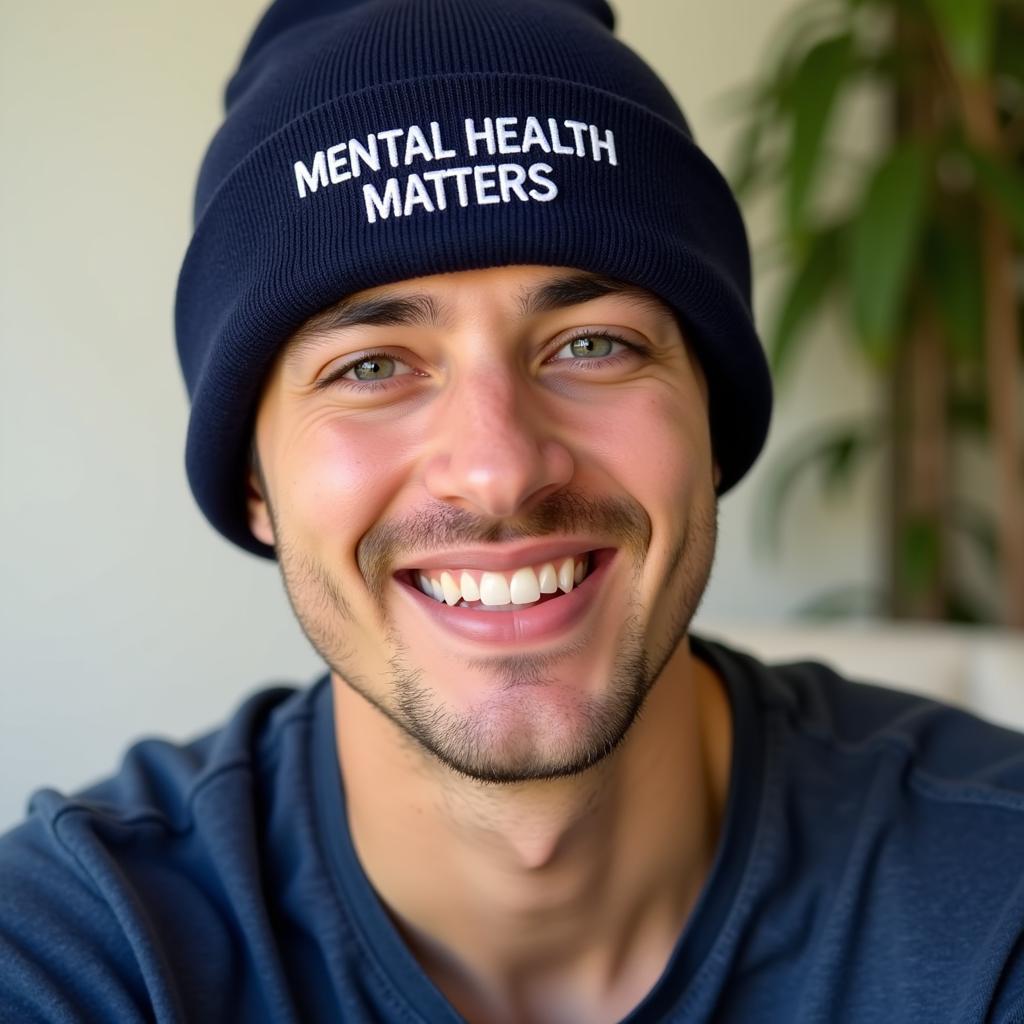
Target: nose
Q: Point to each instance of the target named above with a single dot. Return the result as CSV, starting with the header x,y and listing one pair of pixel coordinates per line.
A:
x,y
496,453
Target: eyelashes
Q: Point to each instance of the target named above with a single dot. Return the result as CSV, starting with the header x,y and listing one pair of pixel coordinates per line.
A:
x,y
339,378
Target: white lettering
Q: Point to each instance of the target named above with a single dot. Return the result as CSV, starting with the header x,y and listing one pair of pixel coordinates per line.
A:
x,y
389,137
483,178
436,178
608,145
311,179
484,184
510,179
359,154
473,136
416,145
460,174
578,128
335,161
383,206
533,135
416,193
556,142
440,153
506,127
538,179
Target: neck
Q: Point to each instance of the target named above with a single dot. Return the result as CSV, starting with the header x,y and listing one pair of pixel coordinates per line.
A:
x,y
570,892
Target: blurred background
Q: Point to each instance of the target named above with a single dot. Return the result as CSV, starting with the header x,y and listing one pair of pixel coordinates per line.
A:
x,y
878,153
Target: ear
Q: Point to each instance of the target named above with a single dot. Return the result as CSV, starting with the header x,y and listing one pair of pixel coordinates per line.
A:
x,y
260,522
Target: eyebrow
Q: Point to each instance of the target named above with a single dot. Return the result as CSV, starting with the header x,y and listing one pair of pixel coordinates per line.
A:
x,y
422,310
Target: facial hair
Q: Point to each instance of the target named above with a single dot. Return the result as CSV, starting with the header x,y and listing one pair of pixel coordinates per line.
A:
x,y
501,739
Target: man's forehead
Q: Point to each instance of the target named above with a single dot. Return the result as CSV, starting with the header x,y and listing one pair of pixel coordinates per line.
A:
x,y
417,303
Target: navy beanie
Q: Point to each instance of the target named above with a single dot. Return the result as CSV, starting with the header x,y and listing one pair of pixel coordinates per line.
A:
x,y
376,141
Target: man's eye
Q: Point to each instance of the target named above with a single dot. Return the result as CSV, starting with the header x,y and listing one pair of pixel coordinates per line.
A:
x,y
592,346
371,372
372,368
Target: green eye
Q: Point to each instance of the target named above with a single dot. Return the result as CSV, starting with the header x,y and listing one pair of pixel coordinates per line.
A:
x,y
373,368
590,345
370,372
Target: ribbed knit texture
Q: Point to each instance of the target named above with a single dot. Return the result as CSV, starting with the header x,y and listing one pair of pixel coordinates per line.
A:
x,y
269,251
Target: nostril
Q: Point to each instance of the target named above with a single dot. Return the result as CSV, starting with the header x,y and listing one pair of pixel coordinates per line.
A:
x,y
498,472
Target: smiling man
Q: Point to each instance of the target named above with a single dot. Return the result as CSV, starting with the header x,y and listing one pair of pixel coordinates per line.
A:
x,y
465,323
492,494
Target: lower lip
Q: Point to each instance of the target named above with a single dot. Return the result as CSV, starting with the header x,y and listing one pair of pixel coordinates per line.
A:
x,y
543,622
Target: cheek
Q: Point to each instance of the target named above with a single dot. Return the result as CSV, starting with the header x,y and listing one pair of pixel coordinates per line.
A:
x,y
655,442
345,475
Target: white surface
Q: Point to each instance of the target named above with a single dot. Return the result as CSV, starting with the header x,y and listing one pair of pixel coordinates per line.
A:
x,y
122,613
979,669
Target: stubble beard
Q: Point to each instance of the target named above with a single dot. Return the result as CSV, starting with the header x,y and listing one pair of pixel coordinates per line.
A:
x,y
507,738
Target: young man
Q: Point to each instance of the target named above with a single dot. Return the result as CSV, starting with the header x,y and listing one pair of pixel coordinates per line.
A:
x,y
465,322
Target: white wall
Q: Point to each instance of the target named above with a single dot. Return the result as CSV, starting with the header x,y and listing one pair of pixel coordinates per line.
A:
x,y
121,612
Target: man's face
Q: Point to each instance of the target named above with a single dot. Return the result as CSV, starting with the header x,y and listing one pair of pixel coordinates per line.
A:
x,y
498,432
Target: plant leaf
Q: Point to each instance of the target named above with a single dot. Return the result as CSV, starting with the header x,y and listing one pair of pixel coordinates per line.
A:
x,y
811,20
1004,186
836,452
804,294
839,462
952,274
966,27
883,244
763,101
1008,52
963,608
969,412
744,163
814,89
918,551
977,524
847,600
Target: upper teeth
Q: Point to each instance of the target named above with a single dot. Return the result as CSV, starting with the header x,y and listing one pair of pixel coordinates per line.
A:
x,y
493,589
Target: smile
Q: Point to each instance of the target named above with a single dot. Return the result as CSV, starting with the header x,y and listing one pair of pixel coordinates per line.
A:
x,y
523,587
532,603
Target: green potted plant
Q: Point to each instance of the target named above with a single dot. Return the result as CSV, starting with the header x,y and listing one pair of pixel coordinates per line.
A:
x,y
924,261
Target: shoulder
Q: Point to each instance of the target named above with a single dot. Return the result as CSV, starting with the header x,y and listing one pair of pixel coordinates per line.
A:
x,y
892,831
950,752
92,882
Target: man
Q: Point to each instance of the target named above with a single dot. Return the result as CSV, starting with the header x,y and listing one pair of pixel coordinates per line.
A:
x,y
465,322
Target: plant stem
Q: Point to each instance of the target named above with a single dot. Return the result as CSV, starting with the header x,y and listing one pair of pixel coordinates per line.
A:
x,y
1002,355
920,471
920,482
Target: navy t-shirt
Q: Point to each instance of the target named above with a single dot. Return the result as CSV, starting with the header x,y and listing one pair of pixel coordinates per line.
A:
x,y
870,869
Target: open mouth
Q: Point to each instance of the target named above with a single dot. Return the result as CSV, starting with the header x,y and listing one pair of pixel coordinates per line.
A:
x,y
512,590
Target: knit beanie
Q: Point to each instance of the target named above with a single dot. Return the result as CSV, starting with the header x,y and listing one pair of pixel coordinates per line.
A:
x,y
372,141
